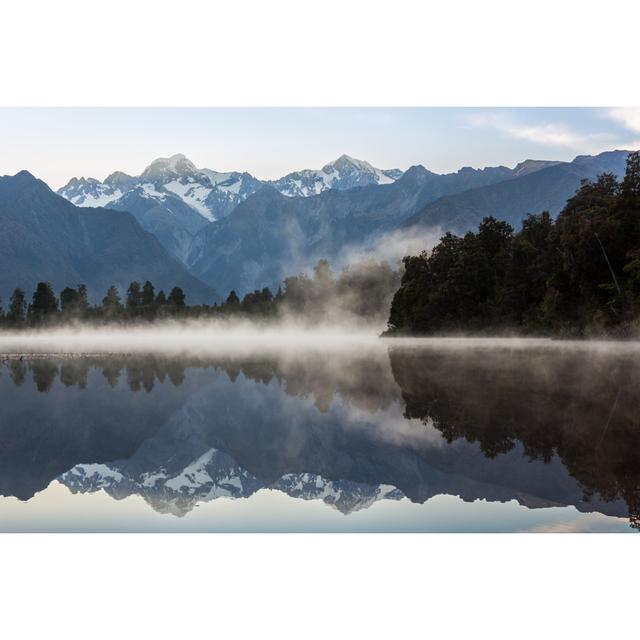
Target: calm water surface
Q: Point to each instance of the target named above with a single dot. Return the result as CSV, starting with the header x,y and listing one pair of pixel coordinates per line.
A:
x,y
384,436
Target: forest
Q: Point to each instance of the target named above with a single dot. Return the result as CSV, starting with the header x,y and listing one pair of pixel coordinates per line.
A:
x,y
360,291
576,276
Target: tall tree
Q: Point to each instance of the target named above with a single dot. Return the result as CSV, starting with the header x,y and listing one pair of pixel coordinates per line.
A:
x,y
148,294
69,299
44,304
232,303
134,297
111,303
177,298
16,314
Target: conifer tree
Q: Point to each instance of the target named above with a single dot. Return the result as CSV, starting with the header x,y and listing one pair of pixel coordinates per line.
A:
x,y
44,304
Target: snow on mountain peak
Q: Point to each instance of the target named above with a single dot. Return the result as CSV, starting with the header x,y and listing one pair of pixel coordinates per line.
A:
x,y
343,173
347,163
176,165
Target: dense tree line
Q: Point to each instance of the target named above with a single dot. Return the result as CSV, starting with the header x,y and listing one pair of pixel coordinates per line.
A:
x,y
46,308
360,291
579,275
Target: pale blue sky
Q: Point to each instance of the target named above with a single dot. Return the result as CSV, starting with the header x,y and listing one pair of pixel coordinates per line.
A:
x,y
56,144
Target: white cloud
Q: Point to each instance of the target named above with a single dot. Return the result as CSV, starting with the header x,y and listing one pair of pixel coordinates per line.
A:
x,y
548,134
629,117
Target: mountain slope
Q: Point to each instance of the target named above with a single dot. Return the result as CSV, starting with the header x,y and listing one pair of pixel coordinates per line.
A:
x,y
269,236
545,189
45,237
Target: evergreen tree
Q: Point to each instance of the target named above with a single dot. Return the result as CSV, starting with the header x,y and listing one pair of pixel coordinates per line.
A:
x,y
111,303
69,299
176,298
232,303
44,304
82,302
134,298
148,294
161,299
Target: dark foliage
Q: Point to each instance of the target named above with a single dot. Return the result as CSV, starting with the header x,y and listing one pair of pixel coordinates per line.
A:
x,y
360,291
578,275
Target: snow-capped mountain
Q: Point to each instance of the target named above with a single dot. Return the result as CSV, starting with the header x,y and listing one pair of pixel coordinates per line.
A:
x,y
171,198
212,475
174,199
214,194
211,194
343,173
89,192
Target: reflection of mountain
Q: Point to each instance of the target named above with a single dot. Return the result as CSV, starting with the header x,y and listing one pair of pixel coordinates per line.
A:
x,y
543,429
58,413
213,475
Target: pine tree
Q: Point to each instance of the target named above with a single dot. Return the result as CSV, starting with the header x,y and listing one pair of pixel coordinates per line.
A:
x,y
176,298
68,301
111,303
148,294
232,303
134,297
44,304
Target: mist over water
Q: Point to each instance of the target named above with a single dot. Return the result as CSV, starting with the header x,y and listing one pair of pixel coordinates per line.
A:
x,y
245,427
242,336
189,337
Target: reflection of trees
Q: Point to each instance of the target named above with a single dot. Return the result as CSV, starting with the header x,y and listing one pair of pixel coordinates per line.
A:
x,y
582,407
44,373
362,381
18,371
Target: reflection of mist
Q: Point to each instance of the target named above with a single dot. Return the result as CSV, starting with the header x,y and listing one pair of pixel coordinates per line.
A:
x,y
541,422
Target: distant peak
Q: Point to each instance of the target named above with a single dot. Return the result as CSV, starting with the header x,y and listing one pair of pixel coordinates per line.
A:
x,y
530,166
118,178
348,163
23,180
24,175
604,154
174,166
417,170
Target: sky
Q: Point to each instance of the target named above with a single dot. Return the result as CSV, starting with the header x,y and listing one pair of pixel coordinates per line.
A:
x,y
56,144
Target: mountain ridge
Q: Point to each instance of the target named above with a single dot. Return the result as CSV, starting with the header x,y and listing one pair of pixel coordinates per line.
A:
x,y
45,237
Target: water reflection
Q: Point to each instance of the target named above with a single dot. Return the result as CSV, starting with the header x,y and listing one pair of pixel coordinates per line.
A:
x,y
544,427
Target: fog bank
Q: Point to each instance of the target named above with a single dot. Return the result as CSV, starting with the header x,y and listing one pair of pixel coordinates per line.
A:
x,y
196,337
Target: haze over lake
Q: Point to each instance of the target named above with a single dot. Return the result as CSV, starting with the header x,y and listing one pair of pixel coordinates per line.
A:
x,y
176,429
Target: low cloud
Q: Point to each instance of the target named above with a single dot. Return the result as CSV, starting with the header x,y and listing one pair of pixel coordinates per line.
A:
x,y
390,247
628,117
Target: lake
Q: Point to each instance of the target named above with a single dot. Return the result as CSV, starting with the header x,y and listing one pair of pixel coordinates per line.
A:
x,y
303,433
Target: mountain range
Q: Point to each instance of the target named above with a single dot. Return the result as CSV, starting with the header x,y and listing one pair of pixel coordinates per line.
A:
x,y
45,237
544,187
210,230
269,236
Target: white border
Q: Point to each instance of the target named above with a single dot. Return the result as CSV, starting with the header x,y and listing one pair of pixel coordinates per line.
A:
x,y
284,52
333,52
